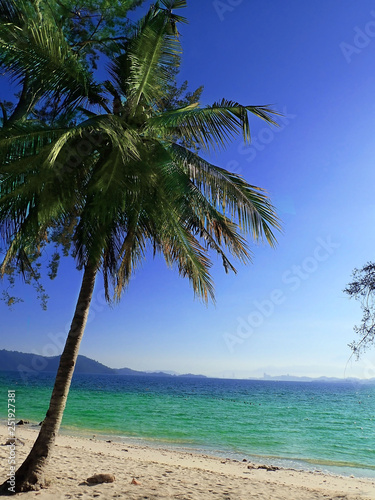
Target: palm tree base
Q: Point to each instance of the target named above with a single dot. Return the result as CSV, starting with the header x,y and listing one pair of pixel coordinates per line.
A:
x,y
25,480
31,475
33,483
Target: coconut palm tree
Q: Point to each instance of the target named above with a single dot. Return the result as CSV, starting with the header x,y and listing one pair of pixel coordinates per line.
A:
x,y
123,180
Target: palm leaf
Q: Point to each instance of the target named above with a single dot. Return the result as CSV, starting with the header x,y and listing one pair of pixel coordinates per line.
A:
x,y
141,72
247,204
211,127
42,54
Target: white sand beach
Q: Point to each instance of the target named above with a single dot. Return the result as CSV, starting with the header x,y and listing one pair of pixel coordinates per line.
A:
x,y
165,474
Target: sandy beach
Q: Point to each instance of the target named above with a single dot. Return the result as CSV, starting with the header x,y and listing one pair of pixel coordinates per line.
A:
x,y
165,474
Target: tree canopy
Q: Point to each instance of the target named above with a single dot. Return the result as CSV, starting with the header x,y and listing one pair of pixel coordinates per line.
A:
x,y
115,182
49,50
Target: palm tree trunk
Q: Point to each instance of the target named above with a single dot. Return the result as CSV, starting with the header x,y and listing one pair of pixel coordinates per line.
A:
x,y
31,474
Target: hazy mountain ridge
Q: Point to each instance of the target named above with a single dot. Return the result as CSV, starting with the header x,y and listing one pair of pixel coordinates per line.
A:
x,y
292,378
28,362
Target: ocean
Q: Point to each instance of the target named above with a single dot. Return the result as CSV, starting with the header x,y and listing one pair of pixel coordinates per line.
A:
x,y
302,425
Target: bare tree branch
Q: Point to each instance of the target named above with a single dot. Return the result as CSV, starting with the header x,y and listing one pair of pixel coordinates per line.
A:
x,y
362,288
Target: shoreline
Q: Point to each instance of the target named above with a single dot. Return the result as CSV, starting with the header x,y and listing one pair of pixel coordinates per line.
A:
x,y
165,473
299,464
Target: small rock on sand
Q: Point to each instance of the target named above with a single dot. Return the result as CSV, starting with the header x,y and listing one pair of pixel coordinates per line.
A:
x,y
15,441
101,478
266,467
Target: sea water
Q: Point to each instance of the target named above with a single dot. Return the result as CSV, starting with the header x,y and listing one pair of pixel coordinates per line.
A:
x,y
308,425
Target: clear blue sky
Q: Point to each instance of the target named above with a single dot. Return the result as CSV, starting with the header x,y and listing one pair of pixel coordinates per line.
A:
x,y
285,313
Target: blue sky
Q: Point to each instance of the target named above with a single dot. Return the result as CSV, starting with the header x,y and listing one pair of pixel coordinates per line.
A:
x,y
285,313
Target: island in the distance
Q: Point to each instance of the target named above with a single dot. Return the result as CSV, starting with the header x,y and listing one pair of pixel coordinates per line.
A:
x,y
12,361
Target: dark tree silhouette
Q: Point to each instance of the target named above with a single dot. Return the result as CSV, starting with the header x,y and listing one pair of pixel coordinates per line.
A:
x,y
362,288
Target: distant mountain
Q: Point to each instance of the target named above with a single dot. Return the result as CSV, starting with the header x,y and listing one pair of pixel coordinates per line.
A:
x,y
190,375
128,371
292,378
29,363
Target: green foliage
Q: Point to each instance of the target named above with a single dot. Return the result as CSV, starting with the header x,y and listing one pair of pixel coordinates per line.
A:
x,y
28,267
94,26
35,54
54,40
90,27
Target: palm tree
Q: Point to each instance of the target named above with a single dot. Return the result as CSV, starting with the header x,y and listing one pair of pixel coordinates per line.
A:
x,y
122,181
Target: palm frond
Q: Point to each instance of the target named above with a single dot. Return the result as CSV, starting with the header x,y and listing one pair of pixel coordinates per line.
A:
x,y
13,12
25,140
142,71
41,54
211,127
247,204
203,212
131,253
100,131
180,247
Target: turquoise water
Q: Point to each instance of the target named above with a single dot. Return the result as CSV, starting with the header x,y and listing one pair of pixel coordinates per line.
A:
x,y
314,426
